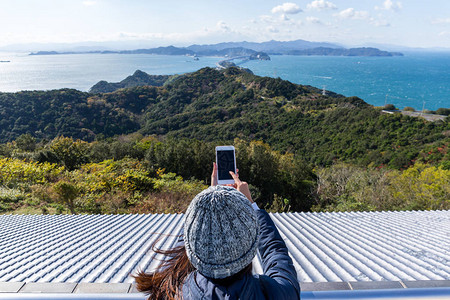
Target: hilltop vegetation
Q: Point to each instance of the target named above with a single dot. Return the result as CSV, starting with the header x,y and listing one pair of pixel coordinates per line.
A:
x,y
211,105
136,174
150,148
139,78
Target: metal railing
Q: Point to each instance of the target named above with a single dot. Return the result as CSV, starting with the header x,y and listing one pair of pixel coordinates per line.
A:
x,y
411,293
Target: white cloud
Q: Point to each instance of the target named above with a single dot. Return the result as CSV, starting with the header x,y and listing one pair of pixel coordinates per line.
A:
x,y
287,8
441,21
351,13
445,34
284,17
272,29
218,33
380,23
89,2
321,5
267,19
221,25
313,20
390,5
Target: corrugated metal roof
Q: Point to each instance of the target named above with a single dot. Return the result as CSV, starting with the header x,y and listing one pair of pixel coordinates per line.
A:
x,y
325,247
368,246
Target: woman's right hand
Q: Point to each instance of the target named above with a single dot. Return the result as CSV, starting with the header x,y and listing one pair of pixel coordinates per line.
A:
x,y
241,186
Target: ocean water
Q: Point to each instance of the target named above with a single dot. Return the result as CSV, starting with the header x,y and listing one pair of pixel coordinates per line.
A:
x,y
82,71
420,80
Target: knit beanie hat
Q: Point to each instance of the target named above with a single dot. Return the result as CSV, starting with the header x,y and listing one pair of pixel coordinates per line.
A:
x,y
220,232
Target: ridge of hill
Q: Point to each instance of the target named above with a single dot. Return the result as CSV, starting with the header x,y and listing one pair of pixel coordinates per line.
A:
x,y
220,105
138,78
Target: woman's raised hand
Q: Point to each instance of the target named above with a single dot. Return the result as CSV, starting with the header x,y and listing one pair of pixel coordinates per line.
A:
x,y
214,175
241,186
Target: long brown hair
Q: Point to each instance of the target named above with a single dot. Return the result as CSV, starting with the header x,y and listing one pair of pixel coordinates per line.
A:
x,y
166,282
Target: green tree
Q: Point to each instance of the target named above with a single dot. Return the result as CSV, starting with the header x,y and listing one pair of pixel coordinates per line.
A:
x,y
67,192
26,142
258,165
421,187
71,153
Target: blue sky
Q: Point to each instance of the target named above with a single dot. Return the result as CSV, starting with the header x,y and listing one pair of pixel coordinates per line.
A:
x,y
413,23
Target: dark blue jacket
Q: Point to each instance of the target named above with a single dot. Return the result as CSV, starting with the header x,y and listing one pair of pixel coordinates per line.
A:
x,y
278,282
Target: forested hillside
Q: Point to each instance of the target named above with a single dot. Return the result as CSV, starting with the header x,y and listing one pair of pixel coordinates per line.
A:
x,y
150,148
139,78
211,105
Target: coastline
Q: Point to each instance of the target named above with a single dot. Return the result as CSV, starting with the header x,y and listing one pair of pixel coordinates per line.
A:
x,y
375,76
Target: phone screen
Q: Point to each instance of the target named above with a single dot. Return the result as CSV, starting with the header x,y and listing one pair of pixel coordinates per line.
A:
x,y
225,164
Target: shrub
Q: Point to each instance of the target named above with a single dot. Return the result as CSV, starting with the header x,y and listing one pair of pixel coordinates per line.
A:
x,y
344,187
172,194
43,192
389,107
163,203
10,198
18,173
66,193
409,108
445,165
443,111
171,182
127,175
10,195
114,202
421,187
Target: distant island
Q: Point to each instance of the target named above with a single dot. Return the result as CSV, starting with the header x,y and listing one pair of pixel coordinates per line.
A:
x,y
171,50
257,51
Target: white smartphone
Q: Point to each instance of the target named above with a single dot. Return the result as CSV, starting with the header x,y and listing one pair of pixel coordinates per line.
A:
x,y
226,162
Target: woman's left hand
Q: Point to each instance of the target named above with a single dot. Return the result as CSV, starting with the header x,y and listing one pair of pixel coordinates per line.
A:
x,y
214,180
214,175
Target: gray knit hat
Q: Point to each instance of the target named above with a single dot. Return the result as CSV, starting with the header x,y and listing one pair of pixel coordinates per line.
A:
x,y
220,232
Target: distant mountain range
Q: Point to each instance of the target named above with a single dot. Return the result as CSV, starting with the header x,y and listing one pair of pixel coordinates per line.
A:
x,y
270,47
146,44
171,50
253,50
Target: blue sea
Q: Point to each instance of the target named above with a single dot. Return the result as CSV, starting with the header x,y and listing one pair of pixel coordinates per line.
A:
x,y
419,80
